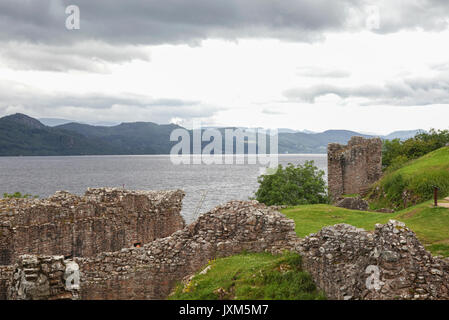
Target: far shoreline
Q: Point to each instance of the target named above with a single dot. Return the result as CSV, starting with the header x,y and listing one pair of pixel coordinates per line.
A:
x,y
161,155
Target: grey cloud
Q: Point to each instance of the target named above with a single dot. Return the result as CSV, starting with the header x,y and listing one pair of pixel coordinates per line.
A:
x,y
91,56
408,92
398,15
105,101
172,21
181,21
316,72
16,93
33,34
440,66
15,97
271,112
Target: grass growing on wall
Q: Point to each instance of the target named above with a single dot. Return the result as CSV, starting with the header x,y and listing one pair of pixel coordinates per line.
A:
x,y
253,276
18,195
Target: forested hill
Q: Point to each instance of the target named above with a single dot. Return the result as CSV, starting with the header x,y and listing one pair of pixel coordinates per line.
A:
x,y
21,135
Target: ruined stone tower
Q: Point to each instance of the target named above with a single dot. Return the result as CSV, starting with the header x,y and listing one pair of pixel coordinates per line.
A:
x,y
354,167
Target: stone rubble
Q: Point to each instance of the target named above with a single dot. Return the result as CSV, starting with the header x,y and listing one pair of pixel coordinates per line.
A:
x,y
353,203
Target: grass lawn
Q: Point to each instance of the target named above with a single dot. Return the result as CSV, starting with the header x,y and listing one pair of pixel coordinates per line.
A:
x,y
253,276
430,224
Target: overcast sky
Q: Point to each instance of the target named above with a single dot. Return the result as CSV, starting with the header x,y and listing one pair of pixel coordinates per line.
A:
x,y
370,66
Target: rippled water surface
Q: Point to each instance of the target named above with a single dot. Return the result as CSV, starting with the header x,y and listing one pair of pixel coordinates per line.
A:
x,y
44,175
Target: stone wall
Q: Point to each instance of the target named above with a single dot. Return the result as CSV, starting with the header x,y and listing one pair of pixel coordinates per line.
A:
x,y
6,273
71,226
151,271
389,263
102,220
354,167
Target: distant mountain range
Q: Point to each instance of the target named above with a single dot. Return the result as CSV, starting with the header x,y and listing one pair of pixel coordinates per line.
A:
x,y
53,122
21,135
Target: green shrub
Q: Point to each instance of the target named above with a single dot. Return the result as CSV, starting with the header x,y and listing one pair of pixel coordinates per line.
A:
x,y
394,188
293,185
398,163
422,184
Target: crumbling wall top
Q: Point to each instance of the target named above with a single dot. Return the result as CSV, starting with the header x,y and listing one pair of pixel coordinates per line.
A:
x,y
352,168
389,263
14,210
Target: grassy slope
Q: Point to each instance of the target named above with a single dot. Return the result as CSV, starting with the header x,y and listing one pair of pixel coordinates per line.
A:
x,y
417,178
251,276
436,160
431,225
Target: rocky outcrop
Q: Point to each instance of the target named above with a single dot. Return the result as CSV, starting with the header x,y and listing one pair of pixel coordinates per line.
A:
x,y
353,203
354,167
389,263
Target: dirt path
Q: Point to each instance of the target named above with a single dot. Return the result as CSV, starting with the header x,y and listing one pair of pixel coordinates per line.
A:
x,y
444,204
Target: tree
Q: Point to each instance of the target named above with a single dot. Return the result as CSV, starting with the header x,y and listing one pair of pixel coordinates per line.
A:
x,y
293,185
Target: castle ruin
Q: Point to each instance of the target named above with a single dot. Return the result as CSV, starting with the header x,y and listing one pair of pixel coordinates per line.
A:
x,y
123,244
352,168
103,220
344,261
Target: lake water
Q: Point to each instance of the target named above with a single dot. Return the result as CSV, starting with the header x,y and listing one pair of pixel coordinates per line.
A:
x,y
44,175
